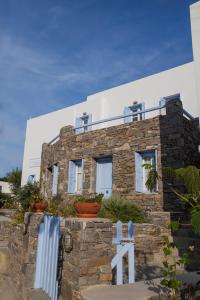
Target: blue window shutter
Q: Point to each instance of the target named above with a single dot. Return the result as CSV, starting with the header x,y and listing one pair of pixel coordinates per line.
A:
x,y
127,111
89,121
55,180
71,177
82,179
138,172
78,123
143,108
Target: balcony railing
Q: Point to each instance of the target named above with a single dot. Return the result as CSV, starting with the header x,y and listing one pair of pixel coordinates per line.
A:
x,y
162,105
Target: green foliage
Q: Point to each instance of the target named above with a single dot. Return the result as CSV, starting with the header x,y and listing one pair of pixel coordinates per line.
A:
x,y
174,226
153,177
170,265
4,179
90,198
27,194
116,208
195,219
190,176
7,201
61,208
14,179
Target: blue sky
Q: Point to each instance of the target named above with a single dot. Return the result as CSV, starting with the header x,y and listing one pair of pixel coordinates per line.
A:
x,y
55,53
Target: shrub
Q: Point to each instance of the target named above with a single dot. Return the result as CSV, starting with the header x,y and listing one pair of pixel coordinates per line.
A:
x,y
61,208
116,208
7,201
28,194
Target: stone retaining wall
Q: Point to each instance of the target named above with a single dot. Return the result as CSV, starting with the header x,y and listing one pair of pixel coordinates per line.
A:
x,y
21,246
86,252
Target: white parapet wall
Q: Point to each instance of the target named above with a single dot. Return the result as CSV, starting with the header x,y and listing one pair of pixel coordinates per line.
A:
x,y
183,80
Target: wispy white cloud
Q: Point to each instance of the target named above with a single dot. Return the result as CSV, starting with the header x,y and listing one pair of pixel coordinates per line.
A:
x,y
34,79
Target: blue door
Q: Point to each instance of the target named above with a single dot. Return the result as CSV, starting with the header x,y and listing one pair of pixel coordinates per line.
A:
x,y
104,176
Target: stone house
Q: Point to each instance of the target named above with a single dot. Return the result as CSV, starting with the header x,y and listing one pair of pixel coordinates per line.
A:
x,y
111,160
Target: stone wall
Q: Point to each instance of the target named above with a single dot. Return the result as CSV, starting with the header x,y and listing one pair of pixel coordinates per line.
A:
x,y
179,139
86,252
87,259
174,138
20,244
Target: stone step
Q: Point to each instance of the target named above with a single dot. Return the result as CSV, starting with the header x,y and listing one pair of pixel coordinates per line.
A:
x,y
183,242
178,215
186,230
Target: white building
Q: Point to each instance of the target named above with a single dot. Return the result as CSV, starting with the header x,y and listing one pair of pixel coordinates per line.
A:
x,y
5,187
183,80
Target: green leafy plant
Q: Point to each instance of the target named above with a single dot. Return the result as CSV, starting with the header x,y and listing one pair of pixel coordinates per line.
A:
x,y
190,176
89,198
116,208
174,226
58,207
195,219
153,176
170,266
29,193
7,201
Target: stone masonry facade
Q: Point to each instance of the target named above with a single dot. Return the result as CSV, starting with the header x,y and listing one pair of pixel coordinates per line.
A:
x,y
175,139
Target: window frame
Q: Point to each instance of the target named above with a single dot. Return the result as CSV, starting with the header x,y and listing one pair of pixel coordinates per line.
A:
x,y
73,166
140,170
128,110
31,178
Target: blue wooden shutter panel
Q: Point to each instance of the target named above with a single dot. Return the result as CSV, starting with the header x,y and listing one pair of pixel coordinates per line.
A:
x,y
82,179
89,121
78,123
143,108
127,111
71,177
55,179
138,172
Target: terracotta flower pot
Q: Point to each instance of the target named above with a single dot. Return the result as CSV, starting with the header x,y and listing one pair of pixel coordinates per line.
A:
x,y
39,207
87,209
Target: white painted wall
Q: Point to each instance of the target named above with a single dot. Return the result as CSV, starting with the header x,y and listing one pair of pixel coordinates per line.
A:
x,y
109,103
195,27
5,187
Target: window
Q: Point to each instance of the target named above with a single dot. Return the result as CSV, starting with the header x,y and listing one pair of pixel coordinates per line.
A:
x,y
31,178
75,176
55,180
134,109
141,173
83,120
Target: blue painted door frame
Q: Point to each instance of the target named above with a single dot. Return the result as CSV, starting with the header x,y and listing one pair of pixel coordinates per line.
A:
x,y
104,176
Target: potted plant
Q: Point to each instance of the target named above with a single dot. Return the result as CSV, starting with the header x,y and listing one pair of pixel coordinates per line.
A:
x,y
88,206
39,204
30,196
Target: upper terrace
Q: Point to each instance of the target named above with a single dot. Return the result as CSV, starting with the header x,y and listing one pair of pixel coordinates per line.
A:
x,y
169,137
135,112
